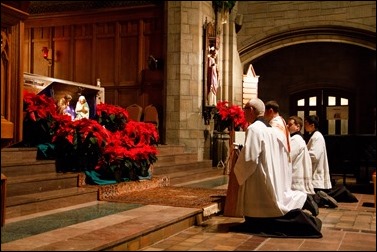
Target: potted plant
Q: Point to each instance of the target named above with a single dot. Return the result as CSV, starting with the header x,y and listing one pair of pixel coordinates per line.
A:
x,y
39,113
78,143
108,148
112,117
228,117
129,153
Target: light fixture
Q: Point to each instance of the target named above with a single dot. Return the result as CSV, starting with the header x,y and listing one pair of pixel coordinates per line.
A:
x,y
46,55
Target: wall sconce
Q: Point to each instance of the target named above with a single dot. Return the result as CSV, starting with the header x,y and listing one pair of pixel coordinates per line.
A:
x,y
46,55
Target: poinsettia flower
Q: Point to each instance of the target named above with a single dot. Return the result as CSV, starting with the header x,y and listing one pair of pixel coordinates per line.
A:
x,y
143,133
113,117
38,106
109,142
233,115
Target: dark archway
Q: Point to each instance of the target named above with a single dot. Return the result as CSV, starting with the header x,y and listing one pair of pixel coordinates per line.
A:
x,y
321,66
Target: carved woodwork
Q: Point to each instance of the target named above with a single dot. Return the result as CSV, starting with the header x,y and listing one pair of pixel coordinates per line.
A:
x,y
12,33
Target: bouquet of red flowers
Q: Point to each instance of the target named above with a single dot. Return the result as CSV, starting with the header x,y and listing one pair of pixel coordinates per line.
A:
x,y
228,116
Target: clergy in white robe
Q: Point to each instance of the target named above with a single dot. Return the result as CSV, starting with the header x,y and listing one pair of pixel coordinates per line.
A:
x,y
280,127
264,191
275,120
301,162
318,154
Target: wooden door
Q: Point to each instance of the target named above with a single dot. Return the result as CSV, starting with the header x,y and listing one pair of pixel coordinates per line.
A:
x,y
335,109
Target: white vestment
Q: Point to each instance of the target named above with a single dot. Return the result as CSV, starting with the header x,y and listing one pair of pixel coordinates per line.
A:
x,y
320,166
279,123
280,128
263,188
301,165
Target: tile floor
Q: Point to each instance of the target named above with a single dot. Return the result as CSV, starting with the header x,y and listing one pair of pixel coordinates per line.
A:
x,y
350,227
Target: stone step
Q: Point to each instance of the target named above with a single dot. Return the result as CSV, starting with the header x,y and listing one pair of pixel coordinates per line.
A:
x,y
44,201
193,174
171,149
33,185
103,226
178,158
28,167
171,168
27,184
9,155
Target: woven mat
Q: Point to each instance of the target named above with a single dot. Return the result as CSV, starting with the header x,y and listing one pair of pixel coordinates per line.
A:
x,y
173,196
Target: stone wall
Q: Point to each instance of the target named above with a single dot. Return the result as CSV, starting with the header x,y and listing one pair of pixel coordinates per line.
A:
x,y
184,122
264,18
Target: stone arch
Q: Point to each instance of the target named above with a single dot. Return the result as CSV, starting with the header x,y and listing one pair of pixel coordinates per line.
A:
x,y
325,33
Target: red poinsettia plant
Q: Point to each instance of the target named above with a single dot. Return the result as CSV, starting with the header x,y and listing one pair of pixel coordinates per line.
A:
x,y
38,107
228,116
123,152
113,117
129,153
108,145
39,112
78,143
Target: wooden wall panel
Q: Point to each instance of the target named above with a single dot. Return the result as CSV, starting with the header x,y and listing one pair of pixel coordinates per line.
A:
x,y
83,51
40,66
129,96
40,38
62,64
152,38
110,96
62,52
112,46
27,50
83,60
105,53
105,59
128,67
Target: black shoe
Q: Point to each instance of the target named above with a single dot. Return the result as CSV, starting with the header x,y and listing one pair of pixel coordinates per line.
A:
x,y
327,199
311,205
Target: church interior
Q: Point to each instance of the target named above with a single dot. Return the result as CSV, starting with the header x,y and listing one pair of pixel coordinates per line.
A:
x,y
159,61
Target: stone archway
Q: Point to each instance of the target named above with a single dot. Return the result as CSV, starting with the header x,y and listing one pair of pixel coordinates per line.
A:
x,y
317,57
338,34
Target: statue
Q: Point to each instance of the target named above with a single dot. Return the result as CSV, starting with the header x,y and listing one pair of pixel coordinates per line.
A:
x,y
82,108
64,108
212,81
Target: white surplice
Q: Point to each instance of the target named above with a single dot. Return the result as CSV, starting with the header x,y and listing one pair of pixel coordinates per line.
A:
x,y
279,125
301,165
320,166
264,191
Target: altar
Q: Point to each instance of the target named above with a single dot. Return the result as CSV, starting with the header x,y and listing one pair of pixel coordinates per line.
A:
x,y
58,88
